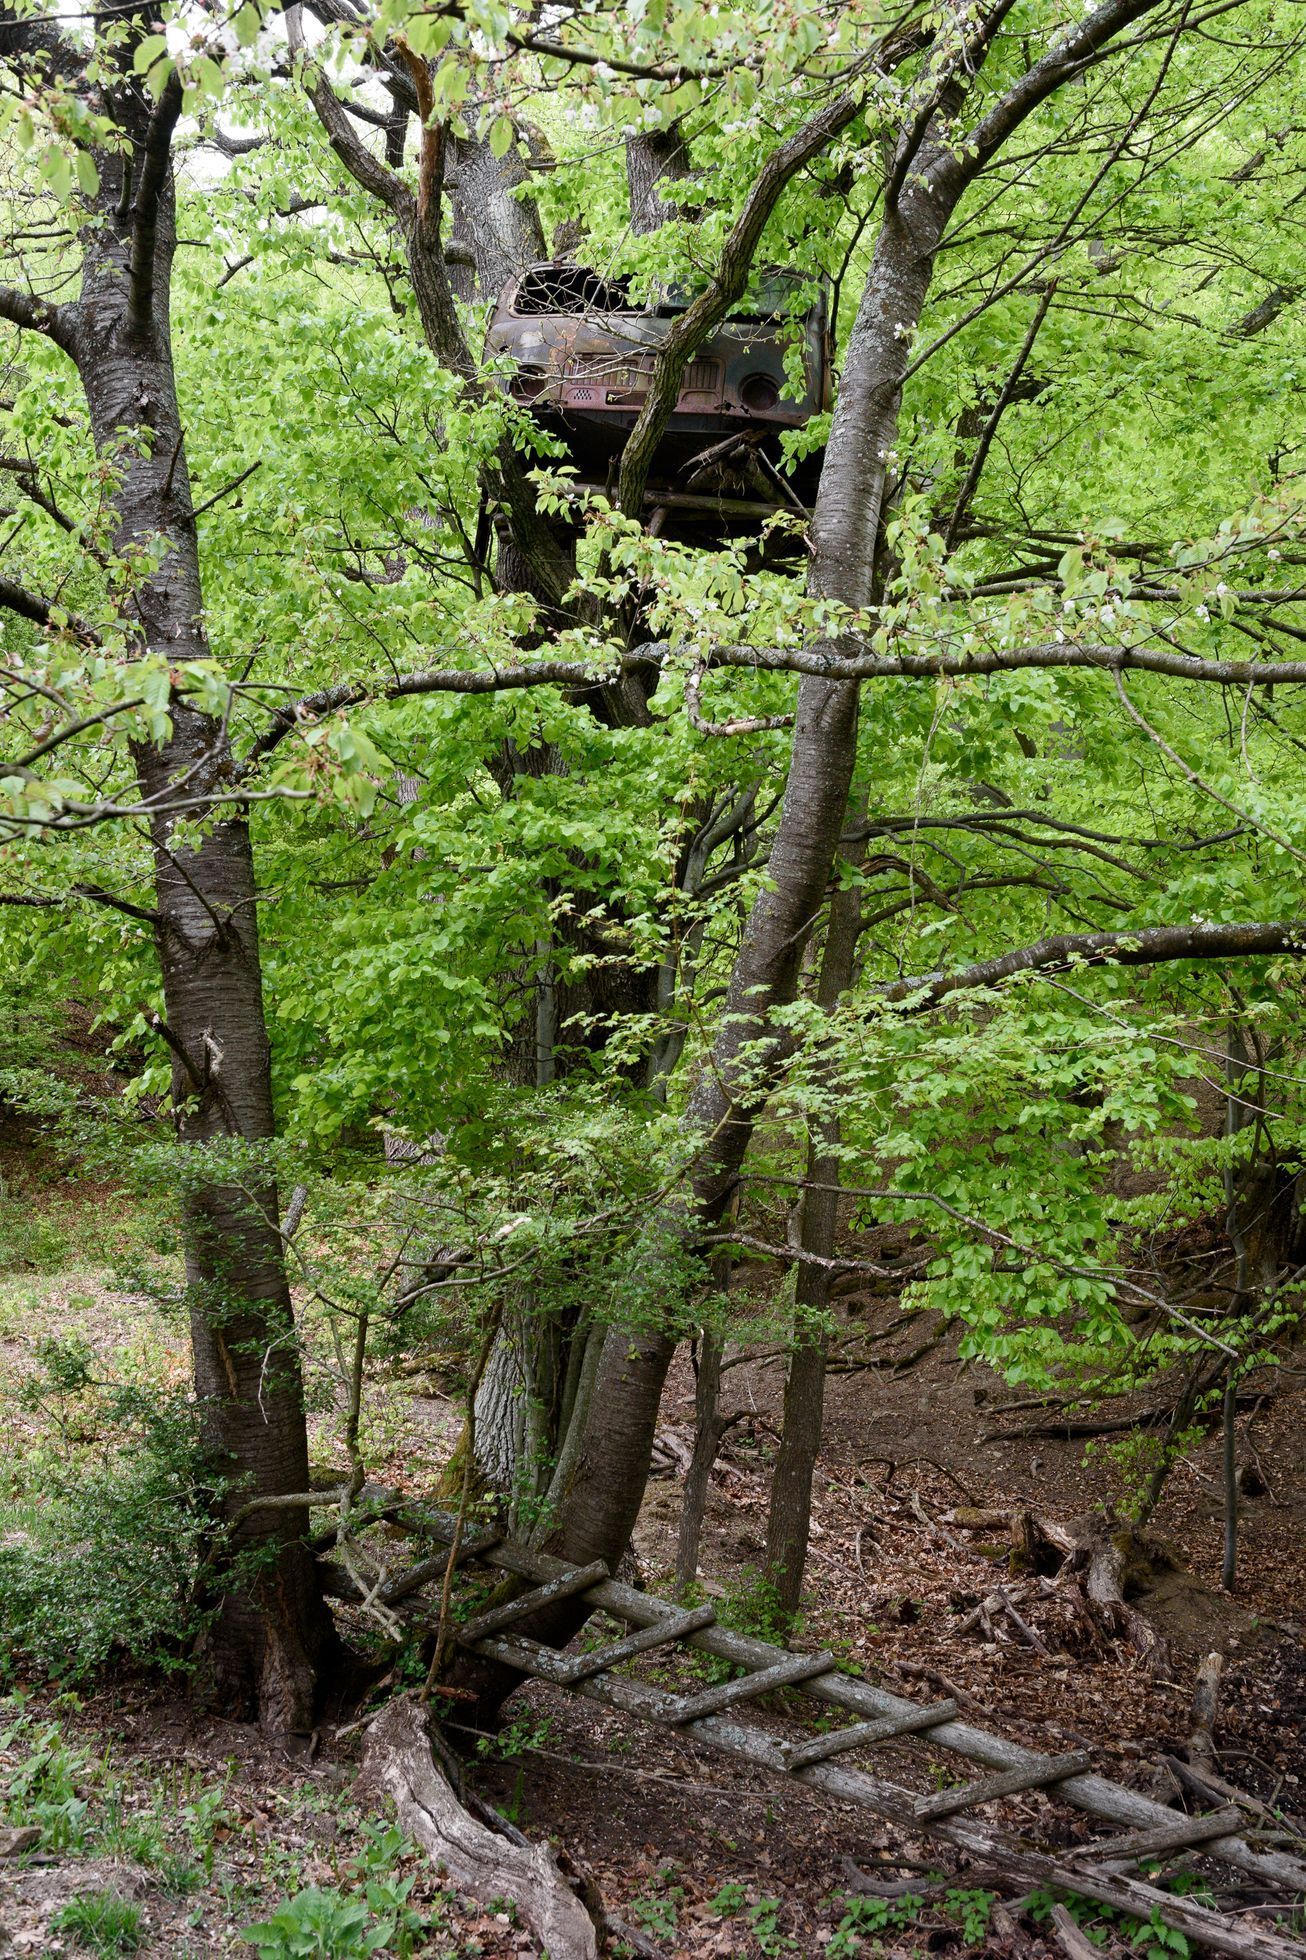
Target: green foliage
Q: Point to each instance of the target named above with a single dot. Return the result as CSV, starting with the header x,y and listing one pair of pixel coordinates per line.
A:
x,y
43,1788
865,1917
517,1737
101,1922
370,1915
105,1529
751,1604
318,1923
1153,1939
658,1910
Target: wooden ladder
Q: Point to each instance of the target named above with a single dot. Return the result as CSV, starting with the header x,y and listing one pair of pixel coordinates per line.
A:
x,y
1100,1870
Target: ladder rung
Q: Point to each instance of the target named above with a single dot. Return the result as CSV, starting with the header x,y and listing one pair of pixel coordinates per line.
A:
x,y
794,1668
578,1580
530,1657
1185,1831
677,1626
800,1755
434,1568
1036,1776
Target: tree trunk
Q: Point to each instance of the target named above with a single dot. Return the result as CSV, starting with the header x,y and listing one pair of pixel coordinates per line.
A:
x,y
733,1087
271,1633
789,1517
709,1427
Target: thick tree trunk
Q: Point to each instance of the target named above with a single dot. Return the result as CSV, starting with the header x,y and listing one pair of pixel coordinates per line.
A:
x,y
733,1088
655,159
271,1632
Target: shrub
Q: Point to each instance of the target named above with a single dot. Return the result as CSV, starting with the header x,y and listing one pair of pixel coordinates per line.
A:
x,y
102,1536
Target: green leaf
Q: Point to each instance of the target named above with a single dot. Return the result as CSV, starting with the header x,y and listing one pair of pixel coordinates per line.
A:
x,y
148,52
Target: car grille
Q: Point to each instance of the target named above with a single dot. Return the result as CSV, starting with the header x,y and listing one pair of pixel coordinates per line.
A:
x,y
630,375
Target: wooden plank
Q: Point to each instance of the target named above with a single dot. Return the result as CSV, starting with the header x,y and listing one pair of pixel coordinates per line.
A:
x,y
1096,1795
799,1754
1179,1836
793,1668
1037,1775
578,1579
580,1667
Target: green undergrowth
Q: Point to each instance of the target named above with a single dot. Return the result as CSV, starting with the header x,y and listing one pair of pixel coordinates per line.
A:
x,y
196,1860
102,1518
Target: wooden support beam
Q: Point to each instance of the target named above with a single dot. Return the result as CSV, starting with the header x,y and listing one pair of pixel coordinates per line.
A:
x,y
785,1673
704,505
405,1584
1182,1835
676,1626
577,1579
1037,1775
798,1755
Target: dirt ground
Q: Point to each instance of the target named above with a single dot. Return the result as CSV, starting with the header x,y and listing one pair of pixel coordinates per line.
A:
x,y
704,1856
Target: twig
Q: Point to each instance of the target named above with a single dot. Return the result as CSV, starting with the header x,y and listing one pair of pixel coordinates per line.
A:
x,y
897,1463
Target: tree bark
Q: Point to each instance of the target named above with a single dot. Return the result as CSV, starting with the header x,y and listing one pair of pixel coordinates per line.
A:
x,y
790,1513
271,1634
709,1427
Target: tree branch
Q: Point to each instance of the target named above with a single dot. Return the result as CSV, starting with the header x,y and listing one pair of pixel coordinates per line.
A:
x,y
156,162
1147,946
430,180
1264,315
576,674
28,605
701,319
1069,53
985,443
366,169
38,316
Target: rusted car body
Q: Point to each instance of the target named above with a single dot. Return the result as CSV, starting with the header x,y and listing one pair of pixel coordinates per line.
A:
x,y
577,351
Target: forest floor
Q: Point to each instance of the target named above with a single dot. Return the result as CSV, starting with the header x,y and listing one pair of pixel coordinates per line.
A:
x,y
204,1827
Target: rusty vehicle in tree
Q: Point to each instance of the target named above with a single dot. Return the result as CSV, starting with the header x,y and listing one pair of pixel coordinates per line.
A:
x,y
577,350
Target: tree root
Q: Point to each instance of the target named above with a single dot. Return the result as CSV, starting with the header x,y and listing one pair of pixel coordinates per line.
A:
x,y
398,1759
1100,1558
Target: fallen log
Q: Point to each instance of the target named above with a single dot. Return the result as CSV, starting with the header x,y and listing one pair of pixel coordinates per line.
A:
x,y
398,1759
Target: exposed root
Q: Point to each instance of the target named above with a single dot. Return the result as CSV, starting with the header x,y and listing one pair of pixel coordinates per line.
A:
x,y
398,1759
